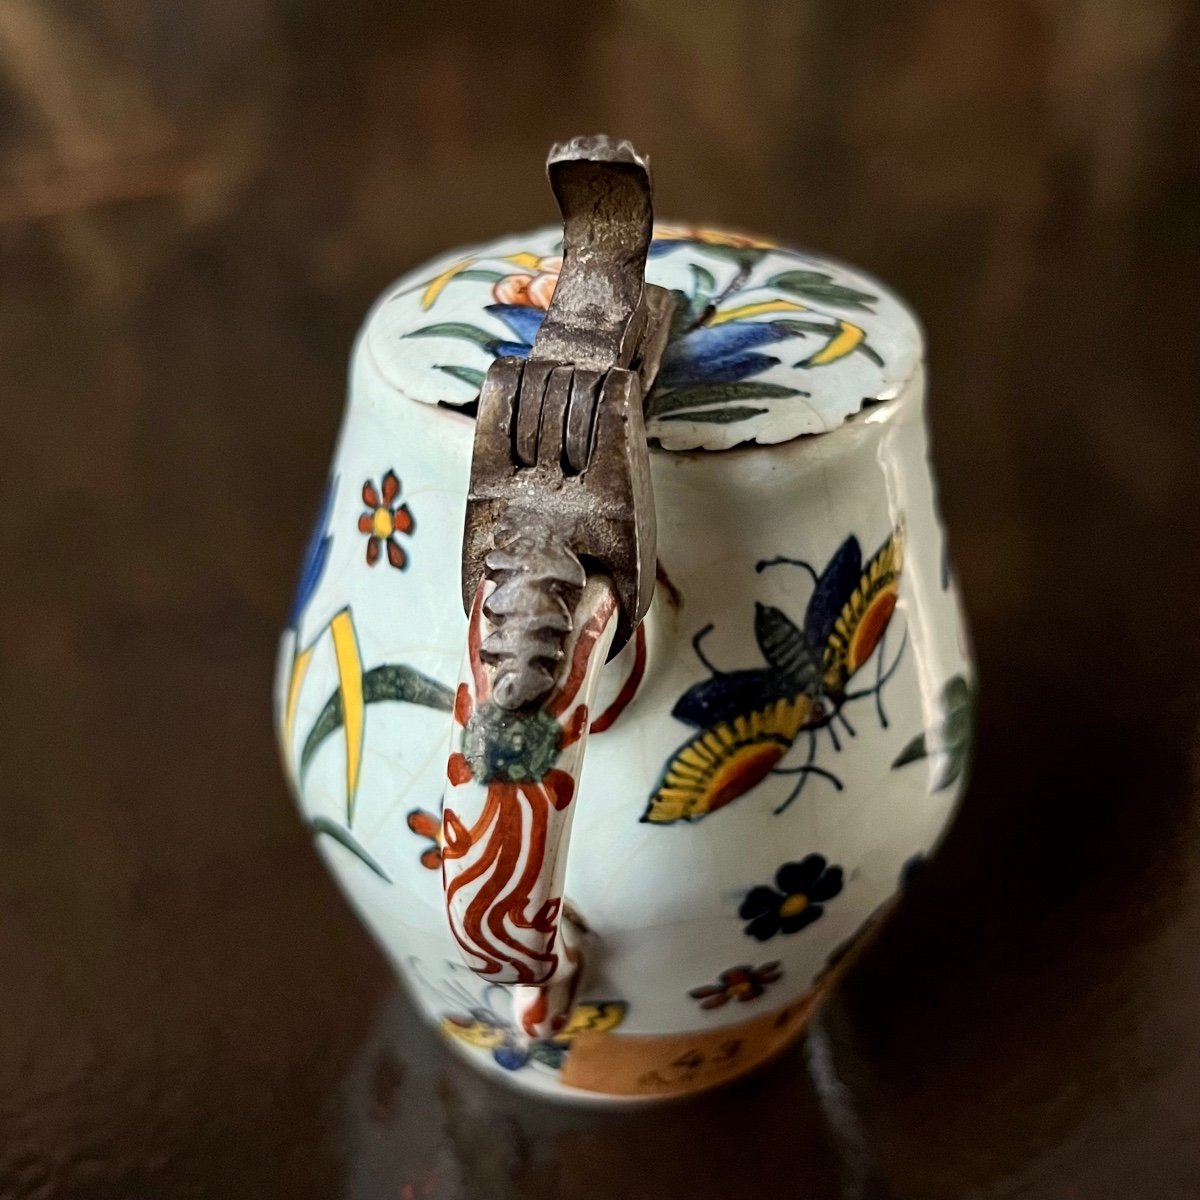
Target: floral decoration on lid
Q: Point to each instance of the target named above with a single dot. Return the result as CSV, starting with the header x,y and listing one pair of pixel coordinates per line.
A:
x,y
766,344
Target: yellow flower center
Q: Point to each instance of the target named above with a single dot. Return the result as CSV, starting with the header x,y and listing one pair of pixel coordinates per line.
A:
x,y
793,905
382,523
741,989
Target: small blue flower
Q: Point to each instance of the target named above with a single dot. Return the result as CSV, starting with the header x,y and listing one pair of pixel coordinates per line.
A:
x,y
510,1056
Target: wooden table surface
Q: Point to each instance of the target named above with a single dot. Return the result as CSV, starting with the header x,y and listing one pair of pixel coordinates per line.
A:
x,y
197,203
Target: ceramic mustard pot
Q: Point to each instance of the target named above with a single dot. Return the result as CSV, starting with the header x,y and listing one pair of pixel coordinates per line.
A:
x,y
626,683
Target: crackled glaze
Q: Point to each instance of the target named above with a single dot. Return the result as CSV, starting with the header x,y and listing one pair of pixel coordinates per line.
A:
x,y
767,344
769,757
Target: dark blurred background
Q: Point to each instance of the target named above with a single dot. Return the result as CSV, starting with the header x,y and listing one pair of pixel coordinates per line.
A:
x,y
198,201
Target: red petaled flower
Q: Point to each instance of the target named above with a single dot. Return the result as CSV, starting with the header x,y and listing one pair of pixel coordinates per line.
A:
x,y
427,825
738,983
384,520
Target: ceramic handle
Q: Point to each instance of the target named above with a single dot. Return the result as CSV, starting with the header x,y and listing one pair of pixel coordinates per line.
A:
x,y
506,822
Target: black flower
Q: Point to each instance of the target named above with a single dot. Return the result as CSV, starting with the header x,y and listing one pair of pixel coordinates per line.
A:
x,y
796,900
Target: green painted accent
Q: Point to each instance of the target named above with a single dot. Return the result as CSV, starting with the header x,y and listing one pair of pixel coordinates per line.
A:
x,y
459,329
949,742
704,282
478,273
471,375
783,645
392,681
819,287
716,416
508,746
345,838
696,395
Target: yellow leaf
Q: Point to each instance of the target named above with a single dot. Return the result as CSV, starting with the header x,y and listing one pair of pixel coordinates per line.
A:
x,y
842,343
742,311
478,1033
435,287
524,259
300,664
592,1018
350,673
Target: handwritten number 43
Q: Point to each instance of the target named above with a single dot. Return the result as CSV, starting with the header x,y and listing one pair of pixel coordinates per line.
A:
x,y
691,1061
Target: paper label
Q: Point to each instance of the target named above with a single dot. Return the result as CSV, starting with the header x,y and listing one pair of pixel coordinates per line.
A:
x,y
672,1064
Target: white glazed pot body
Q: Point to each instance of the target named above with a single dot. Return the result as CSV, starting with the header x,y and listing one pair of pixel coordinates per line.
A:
x,y
704,950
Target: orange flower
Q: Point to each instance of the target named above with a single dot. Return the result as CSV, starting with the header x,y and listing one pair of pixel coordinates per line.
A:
x,y
384,520
530,291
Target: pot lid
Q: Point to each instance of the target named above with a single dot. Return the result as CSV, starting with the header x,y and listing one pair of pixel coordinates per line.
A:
x,y
767,344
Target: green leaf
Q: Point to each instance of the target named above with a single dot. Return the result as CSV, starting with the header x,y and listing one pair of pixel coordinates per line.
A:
x,y
693,395
914,751
471,375
704,283
682,314
783,644
392,681
345,838
951,767
480,273
715,416
817,286
745,256
800,328
949,742
549,1054
872,354
458,329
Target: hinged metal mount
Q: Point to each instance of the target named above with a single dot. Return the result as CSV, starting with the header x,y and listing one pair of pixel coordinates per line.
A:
x,y
560,477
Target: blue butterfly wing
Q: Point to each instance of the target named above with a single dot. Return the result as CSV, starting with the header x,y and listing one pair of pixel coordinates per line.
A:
x,y
729,695
834,587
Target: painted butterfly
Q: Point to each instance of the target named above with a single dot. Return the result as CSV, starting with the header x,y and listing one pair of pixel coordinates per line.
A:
x,y
482,1028
749,719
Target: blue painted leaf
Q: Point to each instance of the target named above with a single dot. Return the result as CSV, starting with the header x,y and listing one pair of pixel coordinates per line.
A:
x,y
720,354
316,555
523,320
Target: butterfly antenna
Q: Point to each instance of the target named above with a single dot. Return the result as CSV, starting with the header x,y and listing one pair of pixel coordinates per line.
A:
x,y
804,770
883,676
697,647
783,561
875,688
805,773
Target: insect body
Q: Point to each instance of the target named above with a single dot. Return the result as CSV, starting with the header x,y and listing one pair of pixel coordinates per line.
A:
x,y
749,719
